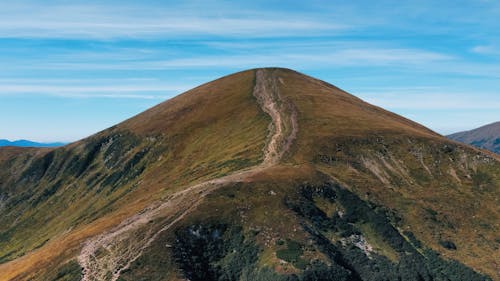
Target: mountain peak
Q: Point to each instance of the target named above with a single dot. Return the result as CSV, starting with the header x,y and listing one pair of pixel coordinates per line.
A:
x,y
318,99
264,174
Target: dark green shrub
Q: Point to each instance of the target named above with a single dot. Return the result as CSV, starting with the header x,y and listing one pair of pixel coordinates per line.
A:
x,y
291,253
448,244
412,265
214,252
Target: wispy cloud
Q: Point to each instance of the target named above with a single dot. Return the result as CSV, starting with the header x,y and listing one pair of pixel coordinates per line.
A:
x,y
91,52
486,50
99,21
121,91
430,99
313,57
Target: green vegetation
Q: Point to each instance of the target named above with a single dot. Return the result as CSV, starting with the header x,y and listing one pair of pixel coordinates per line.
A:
x,y
48,184
448,244
70,271
292,253
222,250
412,265
481,179
214,252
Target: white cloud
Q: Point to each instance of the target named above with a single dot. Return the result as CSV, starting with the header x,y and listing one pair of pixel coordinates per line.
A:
x,y
35,20
430,99
379,56
486,50
309,58
119,90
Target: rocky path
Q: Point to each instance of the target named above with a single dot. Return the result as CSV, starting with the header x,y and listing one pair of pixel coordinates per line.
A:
x,y
105,256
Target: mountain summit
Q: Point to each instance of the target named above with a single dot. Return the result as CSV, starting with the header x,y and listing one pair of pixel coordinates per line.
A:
x,y
266,174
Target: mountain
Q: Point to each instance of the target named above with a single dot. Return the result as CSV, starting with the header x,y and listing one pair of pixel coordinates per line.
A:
x,y
265,174
487,137
27,143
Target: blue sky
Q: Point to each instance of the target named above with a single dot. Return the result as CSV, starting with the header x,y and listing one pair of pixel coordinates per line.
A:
x,y
71,68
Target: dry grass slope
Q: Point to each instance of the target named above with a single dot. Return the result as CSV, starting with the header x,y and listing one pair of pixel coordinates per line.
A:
x,y
206,133
433,191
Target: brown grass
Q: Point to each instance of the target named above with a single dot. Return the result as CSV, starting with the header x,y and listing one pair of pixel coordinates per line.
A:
x,y
208,127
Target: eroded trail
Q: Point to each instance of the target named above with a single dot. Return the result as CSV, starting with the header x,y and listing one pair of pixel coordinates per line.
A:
x,y
105,256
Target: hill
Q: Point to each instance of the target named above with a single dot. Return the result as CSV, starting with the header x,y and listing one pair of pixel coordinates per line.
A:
x,y
27,143
487,137
266,174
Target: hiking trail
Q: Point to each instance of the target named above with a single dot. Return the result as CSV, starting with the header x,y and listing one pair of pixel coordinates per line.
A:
x,y
112,252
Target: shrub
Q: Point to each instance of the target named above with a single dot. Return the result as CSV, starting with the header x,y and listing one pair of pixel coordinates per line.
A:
x,y
291,253
448,244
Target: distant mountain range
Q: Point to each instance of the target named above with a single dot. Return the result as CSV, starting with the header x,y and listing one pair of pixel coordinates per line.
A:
x,y
27,143
487,137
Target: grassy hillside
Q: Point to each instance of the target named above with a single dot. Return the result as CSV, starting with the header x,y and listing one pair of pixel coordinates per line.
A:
x,y
53,199
298,228
361,193
442,190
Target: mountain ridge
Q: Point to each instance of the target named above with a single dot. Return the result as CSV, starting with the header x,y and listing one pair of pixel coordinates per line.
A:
x,y
194,162
486,137
28,143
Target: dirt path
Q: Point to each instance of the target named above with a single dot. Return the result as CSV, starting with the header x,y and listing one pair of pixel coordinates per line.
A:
x,y
105,256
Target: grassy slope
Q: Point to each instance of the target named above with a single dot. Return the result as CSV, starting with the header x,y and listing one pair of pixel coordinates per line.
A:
x,y
401,165
209,131
388,161
440,190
